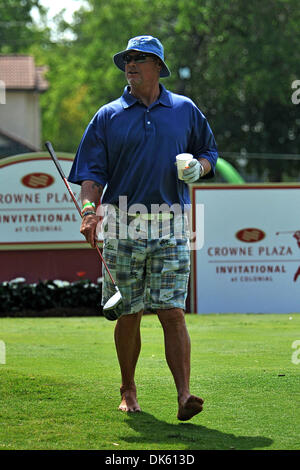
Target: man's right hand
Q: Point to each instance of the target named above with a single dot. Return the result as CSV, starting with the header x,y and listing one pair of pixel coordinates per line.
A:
x,y
88,228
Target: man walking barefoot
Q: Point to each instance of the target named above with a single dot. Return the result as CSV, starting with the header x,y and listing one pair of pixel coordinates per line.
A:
x,y
129,148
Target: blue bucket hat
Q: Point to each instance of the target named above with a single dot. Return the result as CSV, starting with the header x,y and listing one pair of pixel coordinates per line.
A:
x,y
146,44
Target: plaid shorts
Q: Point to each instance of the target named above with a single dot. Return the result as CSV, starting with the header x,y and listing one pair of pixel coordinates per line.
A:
x,y
151,273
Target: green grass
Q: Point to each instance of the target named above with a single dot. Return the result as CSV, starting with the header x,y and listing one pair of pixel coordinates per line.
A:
x,y
59,388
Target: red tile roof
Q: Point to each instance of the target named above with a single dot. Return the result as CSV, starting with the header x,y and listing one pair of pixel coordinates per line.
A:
x,y
18,72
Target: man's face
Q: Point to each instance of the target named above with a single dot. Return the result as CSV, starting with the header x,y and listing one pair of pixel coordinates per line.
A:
x,y
142,73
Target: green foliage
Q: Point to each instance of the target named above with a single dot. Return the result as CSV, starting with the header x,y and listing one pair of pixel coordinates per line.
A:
x,y
242,58
17,31
19,299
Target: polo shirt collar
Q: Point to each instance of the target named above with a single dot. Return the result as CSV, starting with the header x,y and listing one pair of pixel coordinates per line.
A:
x,y
165,97
129,100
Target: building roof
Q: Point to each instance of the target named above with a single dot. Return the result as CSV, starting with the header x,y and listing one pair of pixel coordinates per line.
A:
x,y
19,72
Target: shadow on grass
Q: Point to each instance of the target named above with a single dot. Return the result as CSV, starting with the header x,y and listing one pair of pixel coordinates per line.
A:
x,y
189,436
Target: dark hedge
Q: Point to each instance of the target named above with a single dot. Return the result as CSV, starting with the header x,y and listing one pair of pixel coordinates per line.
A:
x,y
50,298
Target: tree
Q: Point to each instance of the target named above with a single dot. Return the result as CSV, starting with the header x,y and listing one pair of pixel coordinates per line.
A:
x,y
17,29
242,59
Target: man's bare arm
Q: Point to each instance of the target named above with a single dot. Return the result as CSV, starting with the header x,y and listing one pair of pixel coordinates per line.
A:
x,y
206,165
90,192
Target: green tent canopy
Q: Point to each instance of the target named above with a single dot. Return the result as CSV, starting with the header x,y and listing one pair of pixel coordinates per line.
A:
x,y
228,172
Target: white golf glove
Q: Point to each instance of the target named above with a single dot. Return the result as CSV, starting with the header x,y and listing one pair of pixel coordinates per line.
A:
x,y
194,172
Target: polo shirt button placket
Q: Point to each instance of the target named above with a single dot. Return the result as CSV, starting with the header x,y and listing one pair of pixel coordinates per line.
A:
x,y
147,118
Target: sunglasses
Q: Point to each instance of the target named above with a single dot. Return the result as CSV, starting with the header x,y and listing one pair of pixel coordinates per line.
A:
x,y
139,58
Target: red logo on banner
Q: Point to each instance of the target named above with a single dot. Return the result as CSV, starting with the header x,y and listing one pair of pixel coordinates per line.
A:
x,y
250,235
37,180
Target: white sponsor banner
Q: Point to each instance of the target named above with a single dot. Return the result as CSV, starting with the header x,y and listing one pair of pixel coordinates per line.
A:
x,y
250,259
35,207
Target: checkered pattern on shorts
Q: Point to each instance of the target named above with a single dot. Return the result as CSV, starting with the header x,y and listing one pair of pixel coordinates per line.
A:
x,y
150,273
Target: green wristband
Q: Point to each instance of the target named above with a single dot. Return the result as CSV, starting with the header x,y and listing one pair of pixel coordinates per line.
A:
x,y
88,204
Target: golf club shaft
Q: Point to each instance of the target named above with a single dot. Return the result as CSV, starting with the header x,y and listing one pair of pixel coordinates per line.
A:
x,y
59,168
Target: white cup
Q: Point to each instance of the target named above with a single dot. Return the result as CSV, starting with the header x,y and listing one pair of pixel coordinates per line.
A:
x,y
182,161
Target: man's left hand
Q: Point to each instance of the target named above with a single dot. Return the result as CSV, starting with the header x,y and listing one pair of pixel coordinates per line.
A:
x,y
192,173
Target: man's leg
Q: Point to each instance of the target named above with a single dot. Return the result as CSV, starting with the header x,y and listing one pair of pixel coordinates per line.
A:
x,y
178,352
128,346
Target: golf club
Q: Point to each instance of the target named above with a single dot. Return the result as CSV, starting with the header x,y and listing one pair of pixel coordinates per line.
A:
x,y
110,307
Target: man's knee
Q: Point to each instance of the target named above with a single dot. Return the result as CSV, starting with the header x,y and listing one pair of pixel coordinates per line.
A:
x,y
171,316
130,318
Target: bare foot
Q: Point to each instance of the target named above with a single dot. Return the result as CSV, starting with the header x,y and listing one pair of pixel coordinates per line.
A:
x,y
129,400
189,408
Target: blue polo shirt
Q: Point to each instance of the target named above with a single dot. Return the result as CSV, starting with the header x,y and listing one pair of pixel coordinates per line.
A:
x,y
131,149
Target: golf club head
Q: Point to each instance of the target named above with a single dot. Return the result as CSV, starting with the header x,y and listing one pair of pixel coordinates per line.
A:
x,y
112,308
